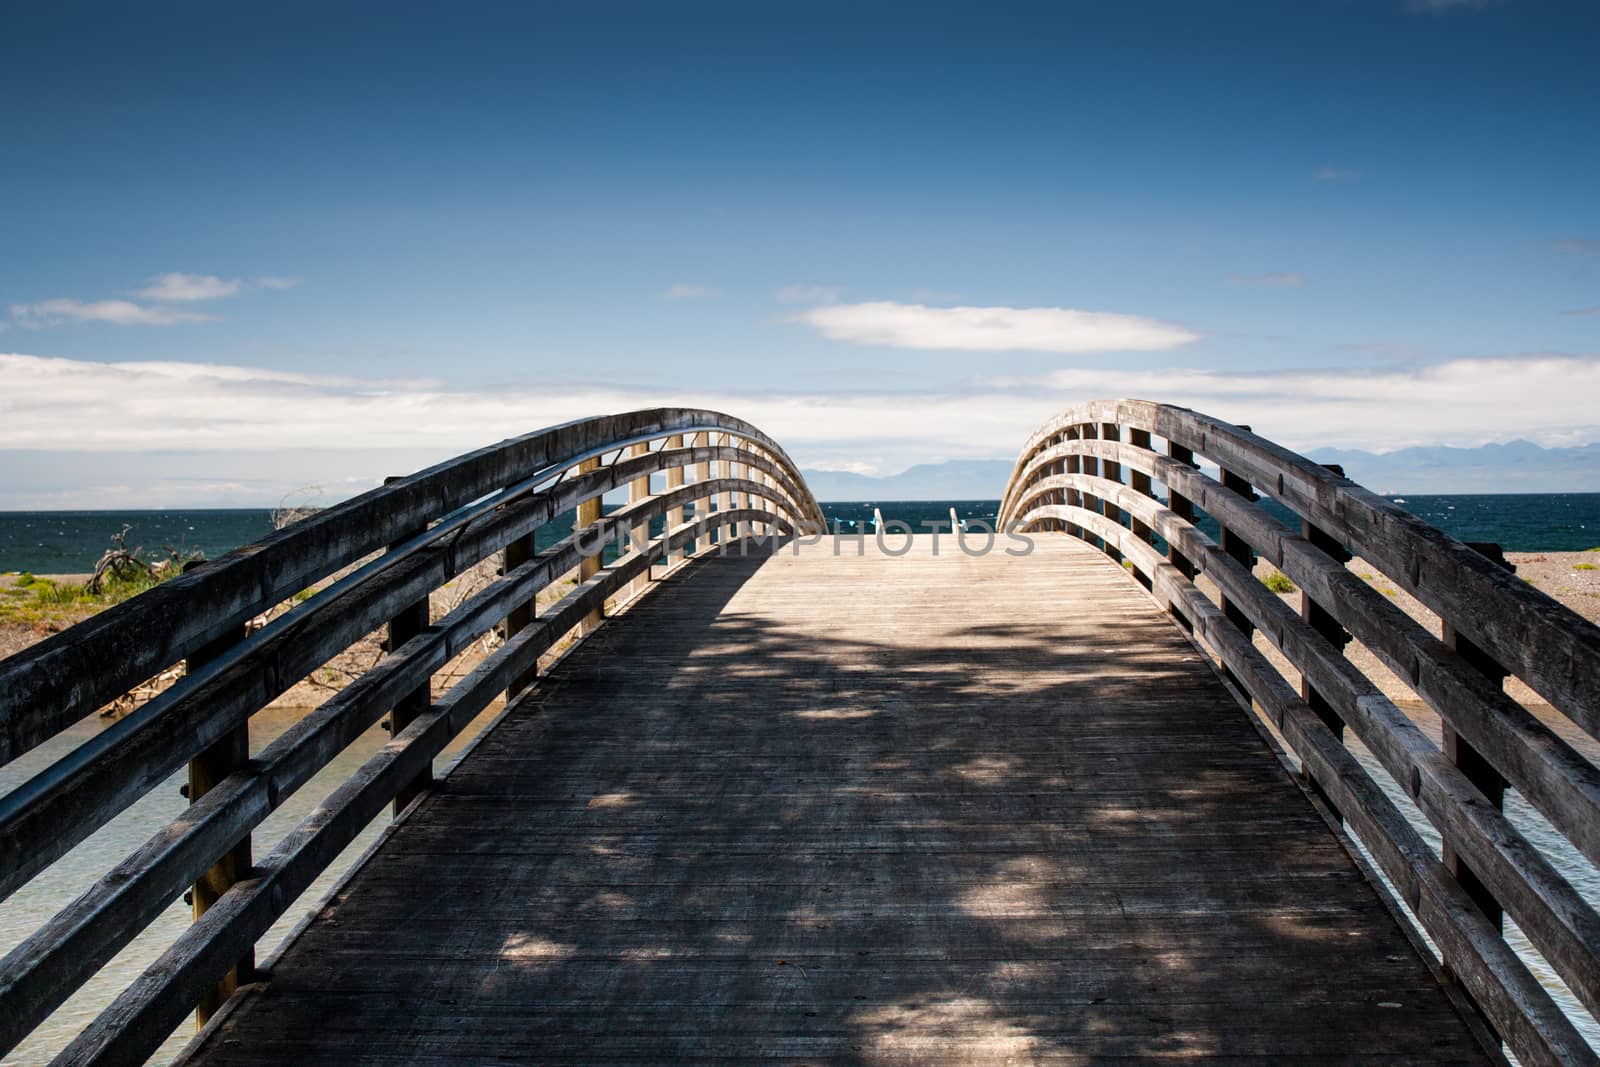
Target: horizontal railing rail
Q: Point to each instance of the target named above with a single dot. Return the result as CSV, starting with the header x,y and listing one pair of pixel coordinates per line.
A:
x,y
724,481
1124,475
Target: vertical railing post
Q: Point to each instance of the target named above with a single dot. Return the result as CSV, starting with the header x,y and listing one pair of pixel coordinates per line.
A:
x,y
228,754
410,621
1183,508
1239,550
1072,498
639,532
1328,627
588,517
726,531
1479,771
1111,471
704,504
744,472
1140,482
674,514
1091,466
519,618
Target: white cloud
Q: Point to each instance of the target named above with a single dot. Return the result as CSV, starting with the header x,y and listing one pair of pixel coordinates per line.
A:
x,y
117,312
808,294
992,328
182,288
681,291
65,407
269,281
1275,279
1336,174
1578,246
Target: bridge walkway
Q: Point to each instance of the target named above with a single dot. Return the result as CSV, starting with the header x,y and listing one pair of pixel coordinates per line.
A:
x,y
879,810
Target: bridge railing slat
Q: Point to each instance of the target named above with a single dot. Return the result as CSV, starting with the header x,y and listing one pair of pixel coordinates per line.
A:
x,y
51,685
67,801
1063,474
73,796
141,1018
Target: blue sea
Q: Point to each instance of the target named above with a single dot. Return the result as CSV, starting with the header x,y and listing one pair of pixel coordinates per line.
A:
x,y
69,542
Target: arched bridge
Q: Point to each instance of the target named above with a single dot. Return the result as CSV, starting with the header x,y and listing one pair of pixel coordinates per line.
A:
x,y
758,793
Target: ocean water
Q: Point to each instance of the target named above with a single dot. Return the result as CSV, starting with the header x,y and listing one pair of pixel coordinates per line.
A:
x,y
69,542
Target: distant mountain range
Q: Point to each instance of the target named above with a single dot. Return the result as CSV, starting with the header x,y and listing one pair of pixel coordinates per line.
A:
x,y
1513,467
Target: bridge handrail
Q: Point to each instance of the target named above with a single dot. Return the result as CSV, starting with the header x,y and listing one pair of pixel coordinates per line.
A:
x,y
1088,467
749,481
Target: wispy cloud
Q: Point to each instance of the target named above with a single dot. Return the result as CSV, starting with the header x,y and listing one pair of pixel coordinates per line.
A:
x,y
116,312
183,288
161,290
808,294
1276,279
1336,174
1578,246
1586,312
681,291
991,329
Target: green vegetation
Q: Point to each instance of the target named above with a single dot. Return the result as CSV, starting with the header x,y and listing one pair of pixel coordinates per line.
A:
x,y
36,601
121,573
1584,567
1278,582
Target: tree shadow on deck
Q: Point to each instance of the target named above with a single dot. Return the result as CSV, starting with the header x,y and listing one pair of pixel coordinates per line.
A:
x,y
806,825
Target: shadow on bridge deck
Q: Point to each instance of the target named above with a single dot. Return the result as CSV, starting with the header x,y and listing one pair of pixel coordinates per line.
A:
x,y
867,809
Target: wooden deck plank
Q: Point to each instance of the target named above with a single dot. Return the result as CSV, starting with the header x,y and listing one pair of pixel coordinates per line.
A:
x,y
878,810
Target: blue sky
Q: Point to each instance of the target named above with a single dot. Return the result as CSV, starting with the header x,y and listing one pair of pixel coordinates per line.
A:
x,y
289,231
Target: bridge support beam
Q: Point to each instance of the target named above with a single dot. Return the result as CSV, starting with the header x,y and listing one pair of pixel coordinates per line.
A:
x,y
411,621
1182,507
1111,472
521,617
1479,771
588,515
1239,550
206,771
674,515
1327,626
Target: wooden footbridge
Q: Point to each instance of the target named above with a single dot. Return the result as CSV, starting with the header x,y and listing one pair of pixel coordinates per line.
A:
x,y
758,793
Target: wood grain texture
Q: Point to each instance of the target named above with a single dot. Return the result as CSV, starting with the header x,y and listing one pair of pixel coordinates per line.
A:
x,y
861,809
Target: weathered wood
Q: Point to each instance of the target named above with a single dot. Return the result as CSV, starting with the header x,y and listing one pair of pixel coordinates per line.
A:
x,y
37,975
1559,921
61,805
675,480
207,770
1522,1012
410,621
794,834
54,683
588,516
1559,781
1458,750
144,1014
517,553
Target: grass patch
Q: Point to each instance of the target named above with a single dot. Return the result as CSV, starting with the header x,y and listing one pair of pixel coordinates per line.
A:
x,y
36,601
1584,567
1278,582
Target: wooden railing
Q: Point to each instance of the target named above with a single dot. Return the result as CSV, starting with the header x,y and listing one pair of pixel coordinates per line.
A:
x,y
1100,471
404,541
